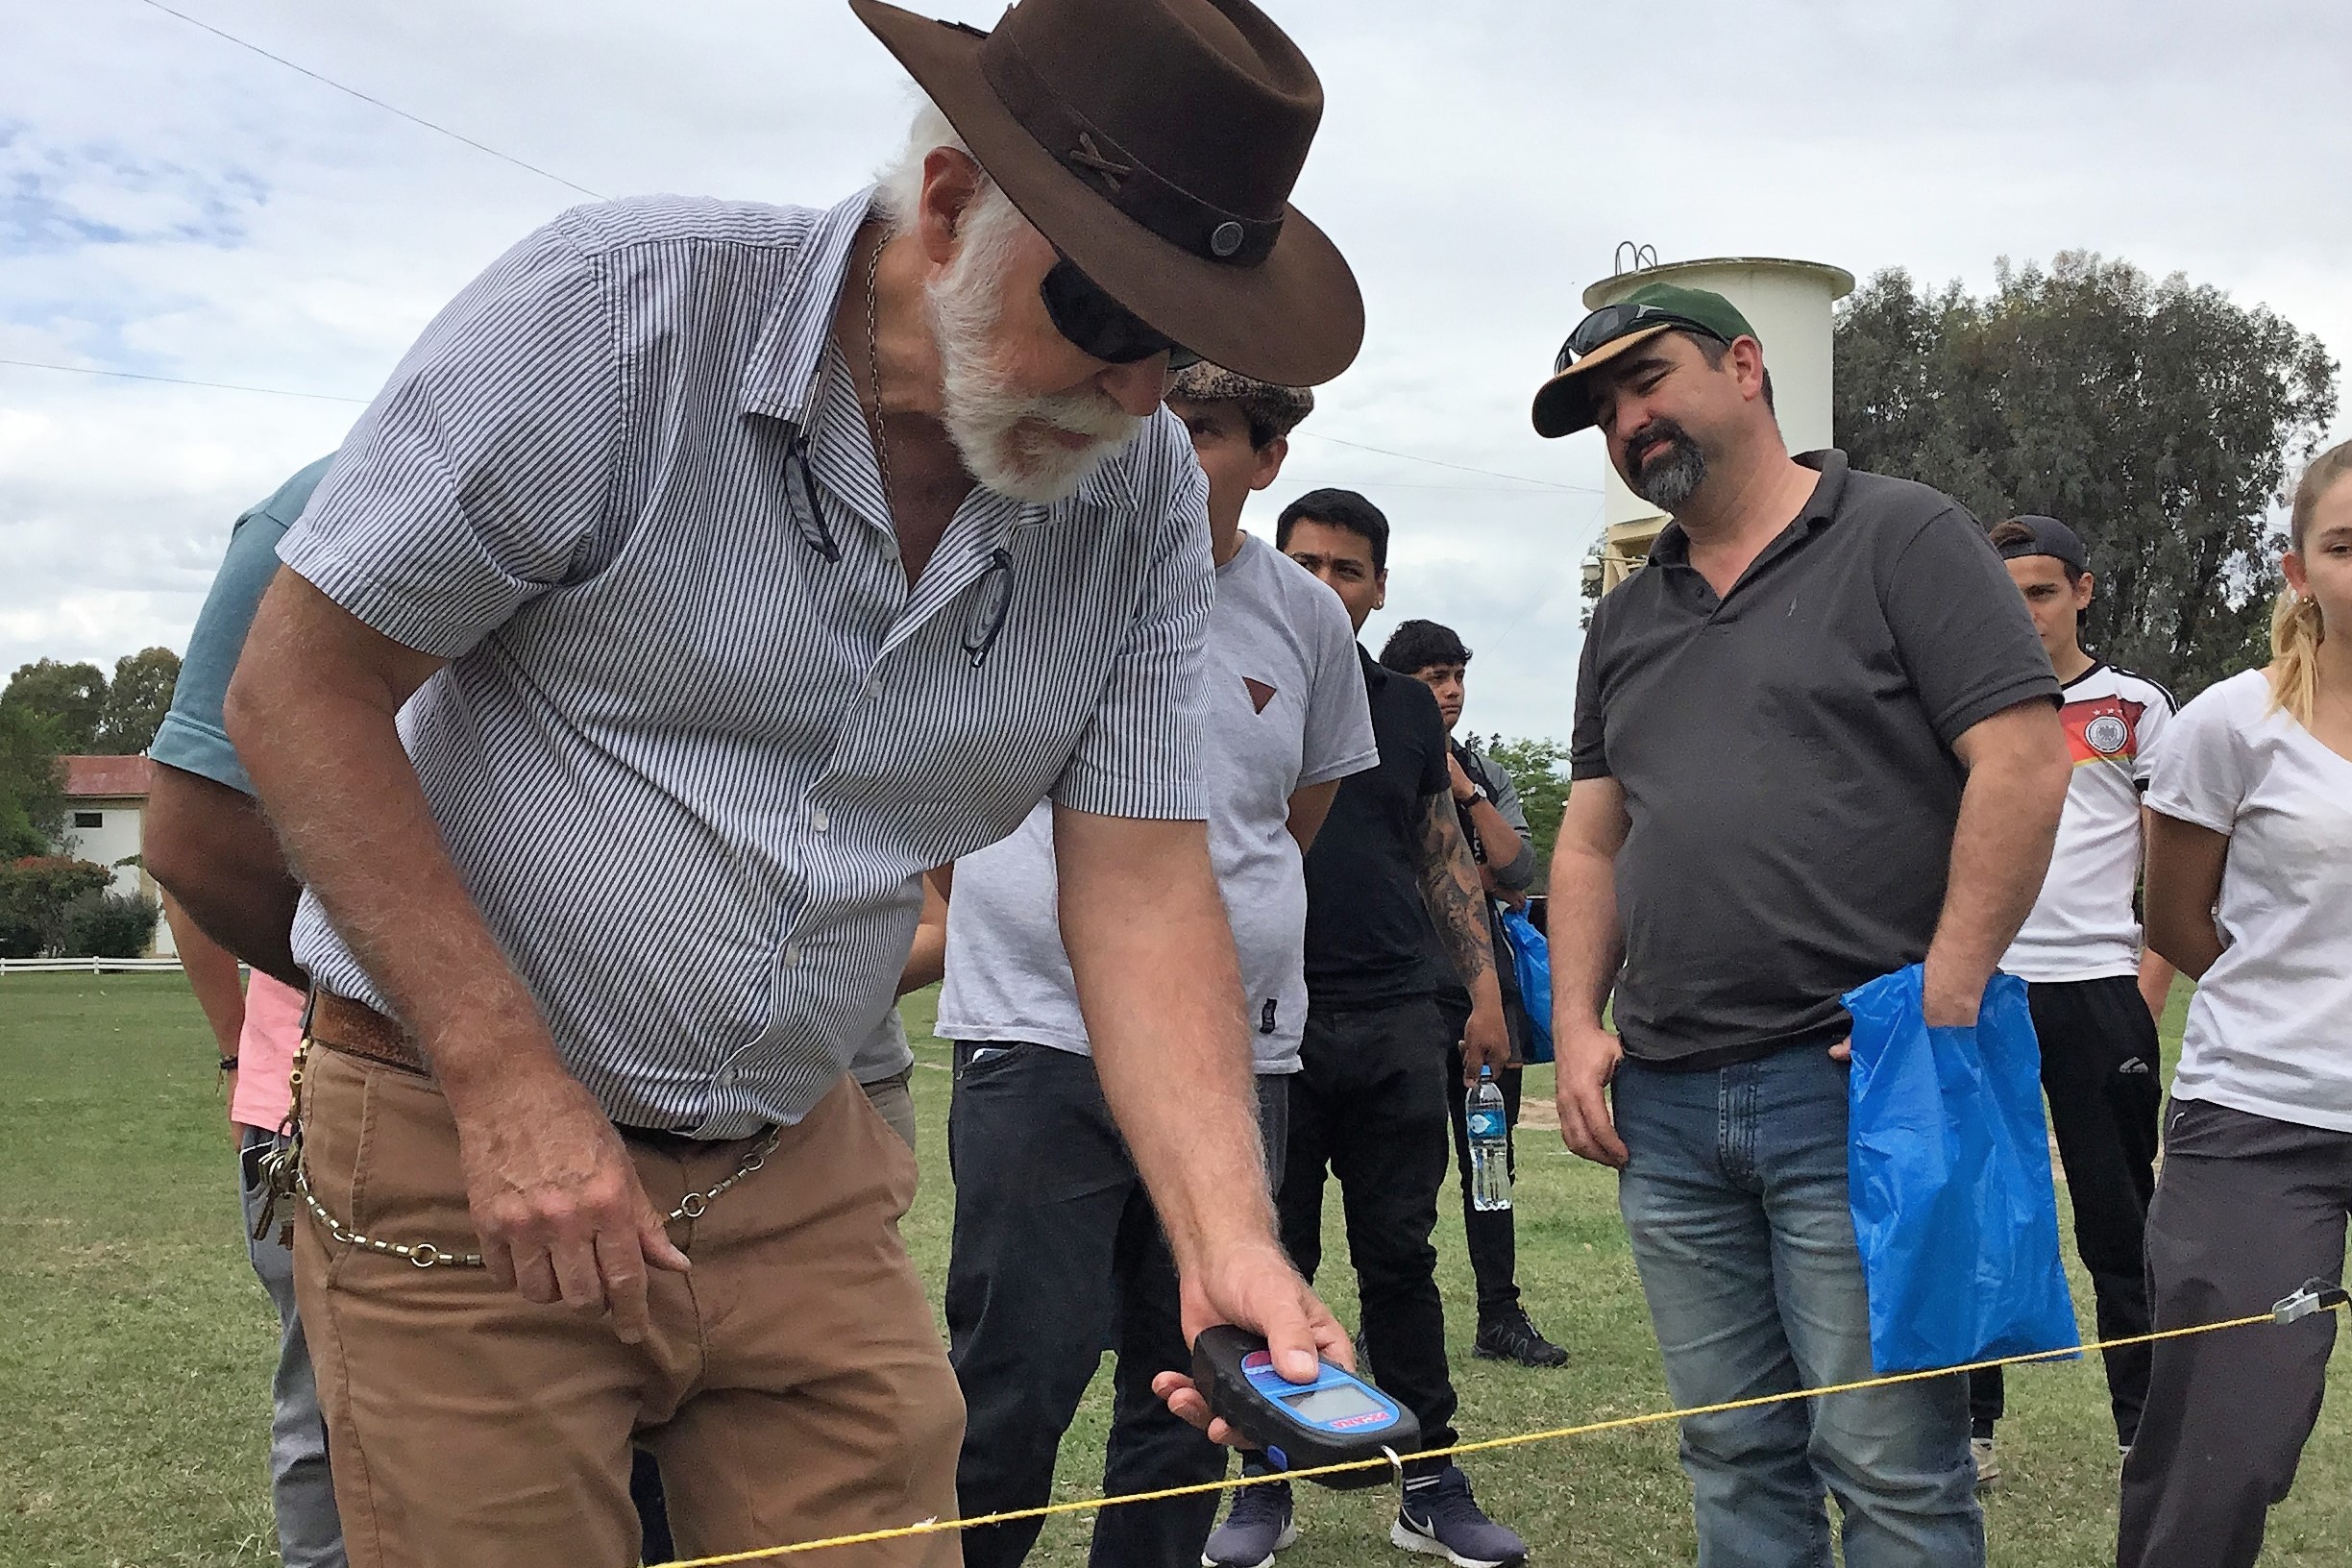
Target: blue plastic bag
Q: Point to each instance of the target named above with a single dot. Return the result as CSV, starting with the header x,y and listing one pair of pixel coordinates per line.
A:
x,y
1532,960
1948,1163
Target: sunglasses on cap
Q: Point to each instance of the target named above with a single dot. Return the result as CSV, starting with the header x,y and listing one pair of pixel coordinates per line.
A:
x,y
1614,321
1085,313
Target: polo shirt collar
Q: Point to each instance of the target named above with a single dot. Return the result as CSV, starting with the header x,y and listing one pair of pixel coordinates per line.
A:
x,y
1672,546
782,375
1828,495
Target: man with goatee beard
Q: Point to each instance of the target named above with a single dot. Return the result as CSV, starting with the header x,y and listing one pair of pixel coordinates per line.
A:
x,y
1816,741
705,573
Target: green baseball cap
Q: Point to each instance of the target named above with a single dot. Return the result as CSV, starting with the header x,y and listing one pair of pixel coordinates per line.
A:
x,y
1563,404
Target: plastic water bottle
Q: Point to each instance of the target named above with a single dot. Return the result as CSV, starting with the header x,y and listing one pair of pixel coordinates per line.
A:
x,y
1489,1143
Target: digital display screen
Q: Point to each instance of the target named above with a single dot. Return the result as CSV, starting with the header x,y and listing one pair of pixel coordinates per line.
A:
x,y
1333,1404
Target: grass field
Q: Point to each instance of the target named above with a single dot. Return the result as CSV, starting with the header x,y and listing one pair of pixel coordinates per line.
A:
x,y
134,1373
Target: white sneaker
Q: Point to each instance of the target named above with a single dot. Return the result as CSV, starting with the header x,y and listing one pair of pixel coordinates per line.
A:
x,y
1988,1467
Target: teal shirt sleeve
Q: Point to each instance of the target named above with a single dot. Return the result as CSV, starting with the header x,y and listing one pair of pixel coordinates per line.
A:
x,y
192,737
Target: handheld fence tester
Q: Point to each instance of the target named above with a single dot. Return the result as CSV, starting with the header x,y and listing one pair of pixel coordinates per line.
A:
x,y
1335,1418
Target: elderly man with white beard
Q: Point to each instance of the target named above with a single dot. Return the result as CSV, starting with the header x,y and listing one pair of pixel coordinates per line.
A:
x,y
705,572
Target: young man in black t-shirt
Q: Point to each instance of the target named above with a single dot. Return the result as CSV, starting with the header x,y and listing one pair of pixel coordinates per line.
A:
x,y
1487,806
1368,1102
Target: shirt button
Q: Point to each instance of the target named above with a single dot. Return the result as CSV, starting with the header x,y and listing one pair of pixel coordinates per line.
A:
x,y
792,955
727,1077
890,549
818,820
874,686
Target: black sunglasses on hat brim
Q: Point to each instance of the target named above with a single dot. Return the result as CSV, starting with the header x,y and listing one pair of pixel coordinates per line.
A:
x,y
1612,322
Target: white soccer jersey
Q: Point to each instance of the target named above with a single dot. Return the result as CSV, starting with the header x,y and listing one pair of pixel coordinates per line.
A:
x,y
2083,926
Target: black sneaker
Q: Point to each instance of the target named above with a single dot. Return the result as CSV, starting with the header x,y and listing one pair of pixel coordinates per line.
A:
x,y
1258,1527
1440,1517
1508,1337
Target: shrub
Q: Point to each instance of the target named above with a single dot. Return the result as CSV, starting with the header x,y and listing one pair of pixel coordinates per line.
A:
x,y
109,925
35,893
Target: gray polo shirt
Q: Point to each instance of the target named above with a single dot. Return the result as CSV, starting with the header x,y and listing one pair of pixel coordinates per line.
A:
x,y
1785,753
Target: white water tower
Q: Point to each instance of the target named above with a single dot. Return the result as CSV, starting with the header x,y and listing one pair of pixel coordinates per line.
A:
x,y
1788,305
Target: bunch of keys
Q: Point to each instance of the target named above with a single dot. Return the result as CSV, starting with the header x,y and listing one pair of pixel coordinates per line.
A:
x,y
281,1169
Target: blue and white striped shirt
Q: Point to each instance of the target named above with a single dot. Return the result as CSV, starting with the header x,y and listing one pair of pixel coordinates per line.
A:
x,y
695,745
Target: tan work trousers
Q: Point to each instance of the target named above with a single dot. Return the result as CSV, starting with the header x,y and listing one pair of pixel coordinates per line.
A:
x,y
794,1386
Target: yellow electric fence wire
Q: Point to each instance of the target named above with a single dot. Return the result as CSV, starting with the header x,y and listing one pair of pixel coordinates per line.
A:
x,y
1622,1423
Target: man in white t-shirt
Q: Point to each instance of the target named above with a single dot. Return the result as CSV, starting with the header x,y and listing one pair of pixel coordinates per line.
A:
x,y
1057,1251
2096,990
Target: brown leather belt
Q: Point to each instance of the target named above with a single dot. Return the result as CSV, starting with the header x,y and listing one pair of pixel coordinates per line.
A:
x,y
356,1029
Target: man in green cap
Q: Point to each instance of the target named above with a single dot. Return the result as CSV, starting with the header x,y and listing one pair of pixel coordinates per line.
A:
x,y
1816,741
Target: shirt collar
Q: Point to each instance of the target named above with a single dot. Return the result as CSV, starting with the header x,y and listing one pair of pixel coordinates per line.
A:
x,y
781,374
1672,546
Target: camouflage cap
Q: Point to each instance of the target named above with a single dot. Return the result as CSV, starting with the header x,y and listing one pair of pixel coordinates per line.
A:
x,y
1274,408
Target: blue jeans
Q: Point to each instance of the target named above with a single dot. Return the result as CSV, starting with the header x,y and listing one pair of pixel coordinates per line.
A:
x,y
302,1489
1735,1200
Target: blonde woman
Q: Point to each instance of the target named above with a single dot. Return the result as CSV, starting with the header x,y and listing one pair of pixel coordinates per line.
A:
x,y
2249,892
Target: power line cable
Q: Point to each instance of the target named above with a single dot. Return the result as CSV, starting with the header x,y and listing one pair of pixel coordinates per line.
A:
x,y
391,108
179,380
574,184
1464,468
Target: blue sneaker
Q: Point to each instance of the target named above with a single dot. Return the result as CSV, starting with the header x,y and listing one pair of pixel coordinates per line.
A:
x,y
1258,1527
1440,1517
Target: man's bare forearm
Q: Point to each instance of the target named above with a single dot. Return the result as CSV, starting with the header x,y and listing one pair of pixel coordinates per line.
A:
x,y
1151,948
212,851
1510,867
1586,942
212,971
927,960
1456,897
311,711
1582,930
2009,808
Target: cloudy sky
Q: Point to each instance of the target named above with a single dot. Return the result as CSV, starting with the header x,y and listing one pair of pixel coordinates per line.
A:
x,y
174,205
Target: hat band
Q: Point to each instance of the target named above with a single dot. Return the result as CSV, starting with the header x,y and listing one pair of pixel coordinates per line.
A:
x,y
1095,156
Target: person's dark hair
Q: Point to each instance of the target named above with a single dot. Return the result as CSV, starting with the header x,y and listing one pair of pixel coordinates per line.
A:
x,y
1417,645
2014,532
1338,510
1712,349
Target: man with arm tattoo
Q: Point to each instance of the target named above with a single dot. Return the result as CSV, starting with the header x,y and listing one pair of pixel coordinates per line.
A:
x,y
1488,806
1368,1102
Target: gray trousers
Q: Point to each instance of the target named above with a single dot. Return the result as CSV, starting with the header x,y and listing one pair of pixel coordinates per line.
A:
x,y
301,1490
2247,1209
893,1097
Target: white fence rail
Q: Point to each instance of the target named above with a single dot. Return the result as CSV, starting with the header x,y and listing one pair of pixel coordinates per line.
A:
x,y
89,965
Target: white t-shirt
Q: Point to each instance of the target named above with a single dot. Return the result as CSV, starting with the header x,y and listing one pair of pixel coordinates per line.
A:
x,y
2082,927
2271,1027
1285,709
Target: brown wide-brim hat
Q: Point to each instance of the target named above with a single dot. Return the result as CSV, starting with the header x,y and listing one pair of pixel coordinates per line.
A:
x,y
1155,143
